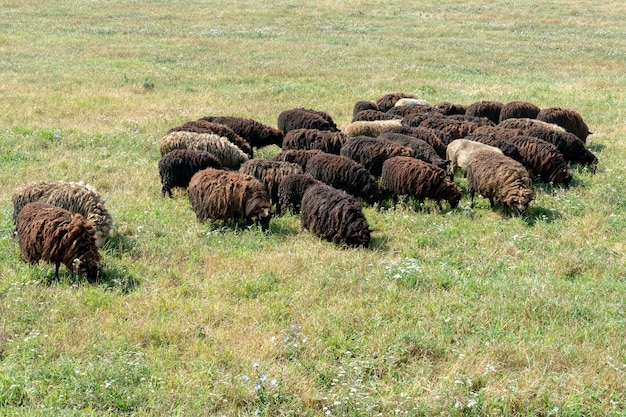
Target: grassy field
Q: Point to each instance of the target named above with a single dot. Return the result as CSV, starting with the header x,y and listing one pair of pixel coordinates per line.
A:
x,y
465,313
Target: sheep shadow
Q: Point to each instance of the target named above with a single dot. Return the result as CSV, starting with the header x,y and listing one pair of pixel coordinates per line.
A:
x,y
117,245
534,215
110,279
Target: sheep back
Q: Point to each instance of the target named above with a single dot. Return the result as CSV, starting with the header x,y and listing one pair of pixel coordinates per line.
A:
x,y
489,109
324,140
568,119
302,118
571,146
296,156
459,152
257,134
372,152
518,109
422,149
270,173
387,101
543,160
204,126
178,166
290,192
372,128
229,155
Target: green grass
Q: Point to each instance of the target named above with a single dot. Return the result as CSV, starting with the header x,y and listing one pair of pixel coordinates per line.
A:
x,y
457,314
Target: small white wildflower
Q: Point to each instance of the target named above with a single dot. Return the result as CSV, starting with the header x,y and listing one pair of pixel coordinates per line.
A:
x,y
255,365
471,403
273,381
262,378
257,387
273,339
245,377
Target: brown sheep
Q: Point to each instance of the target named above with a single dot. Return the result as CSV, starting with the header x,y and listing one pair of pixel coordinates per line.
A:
x,y
568,119
489,109
499,178
457,129
177,167
420,180
324,140
388,101
335,216
204,126
518,109
345,174
291,190
229,195
255,133
570,145
53,234
363,105
229,155
370,114
270,173
543,160
302,118
423,150
460,151
500,142
372,152
296,156
446,108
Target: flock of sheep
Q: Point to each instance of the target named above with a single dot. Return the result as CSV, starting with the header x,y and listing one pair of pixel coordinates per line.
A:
x,y
397,146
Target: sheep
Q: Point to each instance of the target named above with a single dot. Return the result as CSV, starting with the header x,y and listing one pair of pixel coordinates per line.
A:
x,y
362,105
403,175
568,119
53,234
499,178
489,109
229,155
345,174
499,141
525,123
73,196
411,112
459,151
518,109
297,156
387,101
412,102
457,129
204,126
370,114
543,160
372,152
270,173
423,150
446,108
257,134
335,216
302,118
290,192
479,121
229,195
570,145
177,167
372,128
324,140
436,138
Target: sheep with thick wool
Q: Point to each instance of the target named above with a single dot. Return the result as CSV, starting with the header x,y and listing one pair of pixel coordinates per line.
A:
x,y
301,118
229,155
370,115
457,129
363,105
290,192
372,152
387,101
499,178
519,109
335,216
270,173
345,174
229,195
489,109
372,128
420,180
324,140
500,142
53,234
568,119
178,166
73,196
543,160
446,108
296,156
204,126
459,152
257,134
571,146
423,150
525,123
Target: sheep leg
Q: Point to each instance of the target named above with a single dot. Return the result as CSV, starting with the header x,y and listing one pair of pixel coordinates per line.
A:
x,y
440,207
491,202
472,199
56,272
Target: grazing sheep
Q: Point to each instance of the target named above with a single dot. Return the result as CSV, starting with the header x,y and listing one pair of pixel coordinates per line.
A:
x,y
499,178
73,196
568,119
204,126
53,234
518,109
270,173
411,112
363,105
459,151
255,133
372,152
457,129
447,108
229,195
412,102
423,150
543,160
388,101
477,120
436,138
177,167
230,155
296,156
489,109
345,174
570,145
372,128
525,123
369,115
302,118
403,175
290,192
500,142
335,216
324,140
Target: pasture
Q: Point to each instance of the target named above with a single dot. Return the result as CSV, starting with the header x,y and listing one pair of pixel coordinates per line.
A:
x,y
461,313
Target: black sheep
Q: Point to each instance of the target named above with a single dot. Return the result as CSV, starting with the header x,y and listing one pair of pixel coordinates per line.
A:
x,y
423,150
568,119
543,160
489,109
270,173
345,174
296,156
446,108
178,166
372,152
570,145
290,192
335,216
371,114
457,129
302,118
324,140
255,133
519,109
